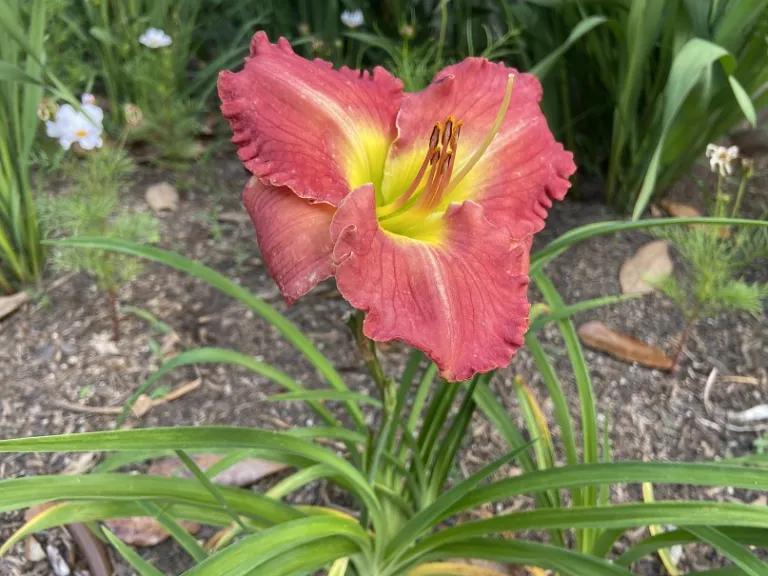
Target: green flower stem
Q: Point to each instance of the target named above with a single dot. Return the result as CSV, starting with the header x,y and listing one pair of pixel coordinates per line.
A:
x,y
742,186
367,349
387,388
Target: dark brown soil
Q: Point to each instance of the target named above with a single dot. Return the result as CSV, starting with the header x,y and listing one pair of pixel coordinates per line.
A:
x,y
56,352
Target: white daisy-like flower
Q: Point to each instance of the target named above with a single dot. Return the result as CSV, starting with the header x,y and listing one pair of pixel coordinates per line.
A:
x,y
155,38
352,18
720,158
70,126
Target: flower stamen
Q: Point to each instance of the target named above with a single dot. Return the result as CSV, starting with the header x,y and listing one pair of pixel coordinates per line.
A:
x,y
431,158
488,138
440,159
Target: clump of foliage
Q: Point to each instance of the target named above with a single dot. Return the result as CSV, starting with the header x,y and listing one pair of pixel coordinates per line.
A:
x,y
715,261
153,78
91,208
21,89
415,517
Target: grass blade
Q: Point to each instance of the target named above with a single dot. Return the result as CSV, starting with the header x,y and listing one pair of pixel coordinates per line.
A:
x,y
208,485
666,559
573,309
589,430
201,438
427,517
731,549
543,66
138,563
85,512
744,536
564,241
625,516
692,474
287,539
184,538
525,553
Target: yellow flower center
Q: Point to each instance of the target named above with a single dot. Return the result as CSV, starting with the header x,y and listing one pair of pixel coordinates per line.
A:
x,y
81,134
417,211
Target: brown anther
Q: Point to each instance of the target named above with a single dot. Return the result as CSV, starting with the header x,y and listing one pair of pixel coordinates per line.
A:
x,y
434,139
439,159
448,132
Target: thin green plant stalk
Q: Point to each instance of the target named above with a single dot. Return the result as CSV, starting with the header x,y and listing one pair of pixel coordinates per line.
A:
x,y
206,482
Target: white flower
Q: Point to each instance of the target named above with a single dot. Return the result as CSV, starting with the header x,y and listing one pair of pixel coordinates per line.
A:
x,y
720,158
88,98
71,126
352,18
155,38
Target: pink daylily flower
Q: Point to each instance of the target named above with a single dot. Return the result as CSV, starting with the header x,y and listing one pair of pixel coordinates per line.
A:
x,y
423,206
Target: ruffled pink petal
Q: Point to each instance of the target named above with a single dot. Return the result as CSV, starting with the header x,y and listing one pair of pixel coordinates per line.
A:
x,y
461,301
294,237
522,171
301,124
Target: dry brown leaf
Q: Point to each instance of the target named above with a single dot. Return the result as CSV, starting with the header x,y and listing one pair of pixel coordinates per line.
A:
x,y
144,403
650,263
243,473
92,550
9,304
170,346
682,210
162,197
143,531
82,464
37,509
597,335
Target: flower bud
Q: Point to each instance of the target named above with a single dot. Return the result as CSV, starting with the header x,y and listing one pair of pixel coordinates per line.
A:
x,y
133,115
46,109
407,32
303,29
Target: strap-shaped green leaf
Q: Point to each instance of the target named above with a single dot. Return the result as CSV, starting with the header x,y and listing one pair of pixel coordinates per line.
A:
x,y
289,538
138,563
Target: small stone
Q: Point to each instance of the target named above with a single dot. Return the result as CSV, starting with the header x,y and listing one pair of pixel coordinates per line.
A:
x,y
162,197
32,549
57,562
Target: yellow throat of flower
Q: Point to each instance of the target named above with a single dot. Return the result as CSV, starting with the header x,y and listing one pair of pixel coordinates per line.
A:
x,y
417,211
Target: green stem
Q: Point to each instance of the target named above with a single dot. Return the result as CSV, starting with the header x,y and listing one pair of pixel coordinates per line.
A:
x,y
739,194
377,439
367,349
443,29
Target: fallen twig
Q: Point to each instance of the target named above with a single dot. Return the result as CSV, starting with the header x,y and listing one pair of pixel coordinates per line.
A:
x,y
142,405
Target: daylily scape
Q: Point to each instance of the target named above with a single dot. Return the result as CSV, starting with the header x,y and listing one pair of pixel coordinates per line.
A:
x,y
422,205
